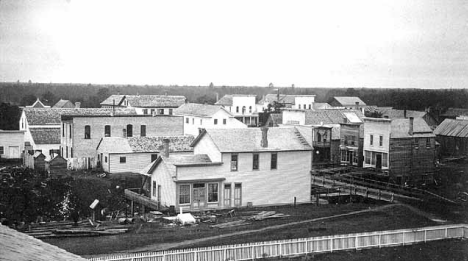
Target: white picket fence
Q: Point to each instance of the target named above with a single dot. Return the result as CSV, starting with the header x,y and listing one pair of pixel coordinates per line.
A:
x,y
301,246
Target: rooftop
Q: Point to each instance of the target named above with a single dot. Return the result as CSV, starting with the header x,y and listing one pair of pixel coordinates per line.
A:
x,y
174,161
453,128
455,112
150,101
332,116
42,116
349,100
400,128
226,100
247,140
145,144
45,135
64,104
200,110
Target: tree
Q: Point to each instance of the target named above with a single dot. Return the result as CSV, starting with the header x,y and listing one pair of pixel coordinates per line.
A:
x,y
49,98
28,100
9,116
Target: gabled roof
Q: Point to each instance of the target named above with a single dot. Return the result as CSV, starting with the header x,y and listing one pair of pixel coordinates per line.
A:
x,y
64,104
38,104
150,101
349,101
42,116
248,140
45,135
400,114
173,161
200,110
332,116
226,100
455,112
93,112
453,128
400,128
20,246
145,144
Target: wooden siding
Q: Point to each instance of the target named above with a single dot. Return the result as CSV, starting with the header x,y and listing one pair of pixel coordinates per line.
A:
x,y
208,147
11,139
168,187
411,159
135,162
453,146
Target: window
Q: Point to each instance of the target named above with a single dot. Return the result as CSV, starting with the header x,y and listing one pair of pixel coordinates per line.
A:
x,y
428,142
69,131
107,131
319,137
299,106
255,161
371,139
234,162
170,111
193,121
66,151
310,106
154,157
274,160
305,106
87,132
224,121
2,150
250,109
63,129
243,109
237,194
154,188
143,131
380,140
237,108
213,192
61,149
184,194
123,159
71,152
201,121
416,144
129,130
343,155
215,121
367,156
187,120
384,160
105,159
145,111
152,111
160,111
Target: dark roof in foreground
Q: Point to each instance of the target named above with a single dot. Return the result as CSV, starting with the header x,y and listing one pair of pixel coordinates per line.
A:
x,y
42,116
45,135
453,128
15,245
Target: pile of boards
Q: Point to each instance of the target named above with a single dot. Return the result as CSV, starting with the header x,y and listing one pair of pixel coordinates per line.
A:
x,y
257,217
68,229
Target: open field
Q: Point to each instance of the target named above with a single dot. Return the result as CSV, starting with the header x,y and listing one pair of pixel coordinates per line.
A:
x,y
151,236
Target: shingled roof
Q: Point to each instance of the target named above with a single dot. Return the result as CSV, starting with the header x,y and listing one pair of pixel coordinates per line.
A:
x,y
173,161
200,110
149,101
41,116
145,144
19,246
349,101
332,116
45,135
455,112
453,128
64,104
400,128
247,140
226,100
399,114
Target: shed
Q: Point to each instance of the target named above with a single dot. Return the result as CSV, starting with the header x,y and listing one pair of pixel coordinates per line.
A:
x,y
39,160
57,167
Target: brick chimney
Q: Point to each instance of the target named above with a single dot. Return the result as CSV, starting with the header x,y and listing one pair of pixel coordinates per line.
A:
x,y
357,106
411,123
264,142
166,148
77,105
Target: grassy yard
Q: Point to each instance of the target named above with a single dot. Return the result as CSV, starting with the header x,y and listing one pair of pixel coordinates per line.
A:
x,y
154,234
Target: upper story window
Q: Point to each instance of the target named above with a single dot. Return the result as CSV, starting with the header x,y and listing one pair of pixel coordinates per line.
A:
x,y
87,132
234,162
63,129
170,111
2,150
255,165
215,121
129,130
310,106
152,111
380,140
224,121
250,109
371,139
143,131
201,121
107,131
428,142
243,109
274,160
70,131
237,108
193,121
123,159
187,120
160,111
299,106
145,111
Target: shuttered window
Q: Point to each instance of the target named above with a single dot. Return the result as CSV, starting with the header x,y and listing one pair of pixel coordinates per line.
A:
x,y
184,194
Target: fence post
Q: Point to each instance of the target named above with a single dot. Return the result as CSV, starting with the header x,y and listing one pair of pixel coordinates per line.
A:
x,y
225,254
446,232
331,244
403,238
252,251
425,235
380,239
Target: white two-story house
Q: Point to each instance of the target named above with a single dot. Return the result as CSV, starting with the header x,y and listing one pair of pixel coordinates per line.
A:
x,y
234,168
202,116
242,106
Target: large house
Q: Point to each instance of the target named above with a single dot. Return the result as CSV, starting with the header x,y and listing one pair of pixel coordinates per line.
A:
x,y
402,148
234,168
242,106
11,144
452,134
202,116
390,113
82,129
351,103
41,128
145,104
118,154
305,102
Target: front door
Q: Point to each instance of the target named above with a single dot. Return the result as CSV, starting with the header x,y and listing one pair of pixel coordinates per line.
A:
x,y
199,198
378,161
238,195
227,195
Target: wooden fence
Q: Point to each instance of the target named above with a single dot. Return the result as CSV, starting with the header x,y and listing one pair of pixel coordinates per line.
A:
x,y
301,246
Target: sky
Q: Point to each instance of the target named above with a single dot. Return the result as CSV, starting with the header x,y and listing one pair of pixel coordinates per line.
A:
x,y
375,43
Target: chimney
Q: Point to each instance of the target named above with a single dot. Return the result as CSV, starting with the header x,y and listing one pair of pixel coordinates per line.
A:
x,y
357,106
411,123
345,120
264,142
77,105
166,148
124,133
404,113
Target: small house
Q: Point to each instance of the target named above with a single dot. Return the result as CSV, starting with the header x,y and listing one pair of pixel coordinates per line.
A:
x,y
11,144
350,103
452,134
242,106
57,167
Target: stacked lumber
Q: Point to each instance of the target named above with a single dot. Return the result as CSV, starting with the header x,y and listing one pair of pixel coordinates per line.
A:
x,y
267,215
67,229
